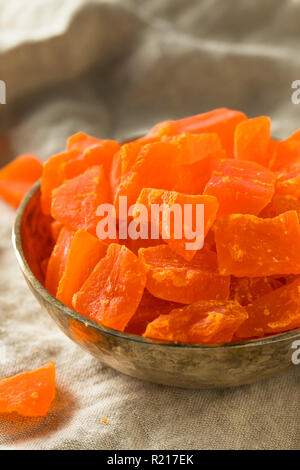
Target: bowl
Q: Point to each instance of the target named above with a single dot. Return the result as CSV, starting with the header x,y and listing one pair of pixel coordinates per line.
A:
x,y
179,365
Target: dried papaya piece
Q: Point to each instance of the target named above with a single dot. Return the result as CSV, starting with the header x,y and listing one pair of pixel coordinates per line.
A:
x,y
113,291
30,393
279,204
245,290
241,187
285,152
84,253
275,312
18,176
254,247
99,154
201,322
58,259
193,225
252,140
152,165
81,141
55,229
172,278
221,121
149,309
288,182
53,176
75,202
193,148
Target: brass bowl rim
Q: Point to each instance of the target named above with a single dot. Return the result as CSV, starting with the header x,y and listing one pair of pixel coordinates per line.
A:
x,y
49,298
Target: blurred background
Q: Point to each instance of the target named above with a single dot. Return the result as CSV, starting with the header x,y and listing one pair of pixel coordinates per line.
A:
x,y
113,68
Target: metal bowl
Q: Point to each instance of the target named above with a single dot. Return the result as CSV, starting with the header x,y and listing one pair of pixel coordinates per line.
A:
x,y
180,365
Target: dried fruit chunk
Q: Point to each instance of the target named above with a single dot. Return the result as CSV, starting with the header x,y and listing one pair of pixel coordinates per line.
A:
x,y
279,204
288,182
187,222
172,278
75,202
273,313
285,152
245,290
99,154
30,393
58,260
154,165
18,176
84,253
200,322
221,121
252,140
193,148
253,247
81,141
149,309
53,176
241,187
112,293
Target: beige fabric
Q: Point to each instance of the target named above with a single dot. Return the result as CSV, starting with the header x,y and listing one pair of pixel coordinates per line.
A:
x,y
113,68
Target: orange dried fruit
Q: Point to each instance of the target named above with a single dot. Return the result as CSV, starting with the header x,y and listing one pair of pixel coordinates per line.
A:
x,y
84,253
58,260
245,290
241,187
288,182
254,247
17,177
275,312
113,291
252,140
81,141
53,176
30,393
201,322
172,278
153,165
221,121
285,152
75,202
194,224
149,309
279,204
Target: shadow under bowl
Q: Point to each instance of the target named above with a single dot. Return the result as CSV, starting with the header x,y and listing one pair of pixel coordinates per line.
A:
x,y
180,365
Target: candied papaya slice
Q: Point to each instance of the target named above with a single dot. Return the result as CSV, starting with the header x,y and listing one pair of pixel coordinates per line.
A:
x,y
252,140
81,141
99,154
55,229
152,165
279,204
84,253
221,121
245,290
285,152
17,177
29,393
149,309
192,217
53,175
275,312
113,291
201,322
172,278
288,182
249,246
241,187
75,202
193,148
58,260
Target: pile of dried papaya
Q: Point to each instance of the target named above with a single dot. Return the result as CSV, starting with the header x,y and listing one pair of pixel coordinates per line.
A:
x,y
242,282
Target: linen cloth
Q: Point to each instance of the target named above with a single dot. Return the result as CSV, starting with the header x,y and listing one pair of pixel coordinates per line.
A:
x,y
114,68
